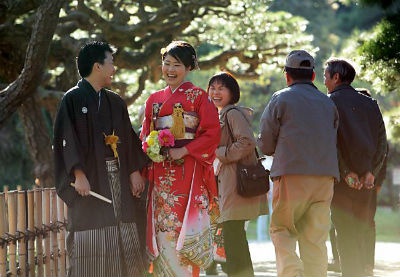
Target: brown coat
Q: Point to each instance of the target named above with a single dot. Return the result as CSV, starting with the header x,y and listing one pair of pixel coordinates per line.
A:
x,y
232,205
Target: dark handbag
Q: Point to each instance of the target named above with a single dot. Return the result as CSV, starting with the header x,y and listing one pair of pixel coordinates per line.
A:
x,y
252,180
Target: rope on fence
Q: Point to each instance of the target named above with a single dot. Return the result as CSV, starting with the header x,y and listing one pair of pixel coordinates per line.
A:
x,y
40,240
30,235
12,239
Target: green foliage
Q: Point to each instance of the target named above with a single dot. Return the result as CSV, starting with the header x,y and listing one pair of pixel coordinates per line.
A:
x,y
265,36
379,48
393,125
354,16
383,3
321,22
380,55
331,23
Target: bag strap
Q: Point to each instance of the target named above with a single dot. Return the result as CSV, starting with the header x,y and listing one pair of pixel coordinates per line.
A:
x,y
230,130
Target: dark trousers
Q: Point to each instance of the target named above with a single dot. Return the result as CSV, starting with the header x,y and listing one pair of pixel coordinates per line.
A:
x,y
351,217
371,232
238,260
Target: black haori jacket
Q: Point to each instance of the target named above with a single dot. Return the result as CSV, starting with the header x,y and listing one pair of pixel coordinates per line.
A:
x,y
83,119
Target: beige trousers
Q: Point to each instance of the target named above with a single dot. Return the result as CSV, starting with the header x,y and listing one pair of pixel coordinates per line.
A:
x,y
301,213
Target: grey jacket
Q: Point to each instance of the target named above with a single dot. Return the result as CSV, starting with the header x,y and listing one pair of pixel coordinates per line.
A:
x,y
232,205
299,128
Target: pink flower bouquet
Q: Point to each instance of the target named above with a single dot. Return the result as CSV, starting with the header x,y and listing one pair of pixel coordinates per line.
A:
x,y
157,144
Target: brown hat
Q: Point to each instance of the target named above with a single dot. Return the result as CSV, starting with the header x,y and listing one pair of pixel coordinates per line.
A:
x,y
297,57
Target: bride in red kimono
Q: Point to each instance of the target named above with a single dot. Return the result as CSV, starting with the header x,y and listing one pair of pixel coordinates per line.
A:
x,y
182,195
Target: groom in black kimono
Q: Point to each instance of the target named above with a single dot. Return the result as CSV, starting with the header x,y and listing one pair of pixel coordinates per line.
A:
x,y
96,150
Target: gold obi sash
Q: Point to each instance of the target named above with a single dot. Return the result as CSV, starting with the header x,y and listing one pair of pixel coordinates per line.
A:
x,y
190,120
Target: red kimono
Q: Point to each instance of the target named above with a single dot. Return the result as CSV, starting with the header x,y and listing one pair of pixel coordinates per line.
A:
x,y
182,197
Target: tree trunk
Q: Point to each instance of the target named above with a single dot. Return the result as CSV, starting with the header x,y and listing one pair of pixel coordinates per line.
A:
x,y
35,62
38,141
12,98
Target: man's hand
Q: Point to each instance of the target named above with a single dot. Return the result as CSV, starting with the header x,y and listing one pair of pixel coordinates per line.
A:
x,y
137,183
353,181
82,185
368,180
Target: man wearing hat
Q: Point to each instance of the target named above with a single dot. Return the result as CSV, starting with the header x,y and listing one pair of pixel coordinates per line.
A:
x,y
298,127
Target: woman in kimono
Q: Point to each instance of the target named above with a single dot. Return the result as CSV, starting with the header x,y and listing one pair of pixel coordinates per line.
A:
x,y
237,144
182,191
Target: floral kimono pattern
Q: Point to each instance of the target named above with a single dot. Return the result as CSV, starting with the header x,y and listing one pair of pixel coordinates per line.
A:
x,y
182,198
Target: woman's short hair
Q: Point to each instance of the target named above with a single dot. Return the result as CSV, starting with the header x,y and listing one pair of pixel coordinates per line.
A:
x,y
227,79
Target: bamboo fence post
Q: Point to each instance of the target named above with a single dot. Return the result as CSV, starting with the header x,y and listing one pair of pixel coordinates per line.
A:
x,y
46,225
3,245
31,232
21,227
66,234
12,219
38,227
5,190
61,237
53,232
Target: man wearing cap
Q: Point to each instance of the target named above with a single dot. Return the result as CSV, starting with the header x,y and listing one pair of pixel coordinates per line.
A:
x,y
362,147
298,127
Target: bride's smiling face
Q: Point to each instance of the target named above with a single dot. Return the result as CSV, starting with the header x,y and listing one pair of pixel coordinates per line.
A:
x,y
174,71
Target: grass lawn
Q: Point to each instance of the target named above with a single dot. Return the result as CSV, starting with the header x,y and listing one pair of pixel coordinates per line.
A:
x,y
387,224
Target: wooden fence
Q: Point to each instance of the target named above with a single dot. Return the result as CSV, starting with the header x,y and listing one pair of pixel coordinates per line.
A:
x,y
32,233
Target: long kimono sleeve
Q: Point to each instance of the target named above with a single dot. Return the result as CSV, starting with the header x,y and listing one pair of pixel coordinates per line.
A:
x,y
146,119
66,153
208,133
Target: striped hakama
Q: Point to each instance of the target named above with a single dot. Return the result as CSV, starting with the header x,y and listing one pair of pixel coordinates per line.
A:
x,y
111,250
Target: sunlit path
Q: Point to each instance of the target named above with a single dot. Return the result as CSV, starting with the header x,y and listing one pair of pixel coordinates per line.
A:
x,y
263,256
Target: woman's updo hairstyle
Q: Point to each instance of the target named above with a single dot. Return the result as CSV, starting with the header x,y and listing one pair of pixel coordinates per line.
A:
x,y
183,52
